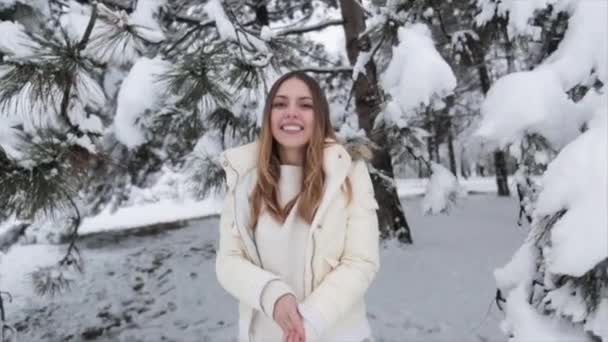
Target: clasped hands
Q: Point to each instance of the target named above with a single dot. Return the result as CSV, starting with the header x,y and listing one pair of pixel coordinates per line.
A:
x,y
289,319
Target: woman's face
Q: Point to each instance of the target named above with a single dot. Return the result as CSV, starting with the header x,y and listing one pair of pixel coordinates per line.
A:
x,y
292,114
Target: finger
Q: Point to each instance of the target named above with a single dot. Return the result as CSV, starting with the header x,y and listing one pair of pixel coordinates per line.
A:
x,y
288,324
301,331
296,321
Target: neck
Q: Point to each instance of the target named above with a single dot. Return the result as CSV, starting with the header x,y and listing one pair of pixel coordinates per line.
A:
x,y
292,156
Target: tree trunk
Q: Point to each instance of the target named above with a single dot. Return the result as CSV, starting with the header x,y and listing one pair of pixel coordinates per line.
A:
x,y
430,140
451,154
500,164
391,216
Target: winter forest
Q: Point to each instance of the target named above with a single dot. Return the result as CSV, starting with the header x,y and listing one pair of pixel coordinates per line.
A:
x,y
487,122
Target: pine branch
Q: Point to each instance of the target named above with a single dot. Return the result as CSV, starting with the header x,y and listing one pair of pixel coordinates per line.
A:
x,y
46,81
47,186
226,122
310,28
206,177
197,79
188,33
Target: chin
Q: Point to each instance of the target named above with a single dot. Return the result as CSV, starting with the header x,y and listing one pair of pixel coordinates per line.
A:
x,y
293,144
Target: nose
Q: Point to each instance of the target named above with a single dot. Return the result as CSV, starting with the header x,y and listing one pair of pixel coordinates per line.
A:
x,y
292,111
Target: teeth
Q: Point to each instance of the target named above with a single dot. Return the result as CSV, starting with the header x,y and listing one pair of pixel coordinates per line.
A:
x,y
292,128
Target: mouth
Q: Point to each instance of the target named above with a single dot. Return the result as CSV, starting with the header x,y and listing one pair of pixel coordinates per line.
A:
x,y
292,128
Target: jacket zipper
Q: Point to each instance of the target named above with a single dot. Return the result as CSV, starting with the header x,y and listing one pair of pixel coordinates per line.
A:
x,y
253,312
312,257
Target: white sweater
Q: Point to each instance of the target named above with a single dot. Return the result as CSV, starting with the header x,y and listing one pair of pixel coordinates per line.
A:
x,y
282,252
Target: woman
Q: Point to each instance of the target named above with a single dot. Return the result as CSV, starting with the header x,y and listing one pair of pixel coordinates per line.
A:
x,y
298,231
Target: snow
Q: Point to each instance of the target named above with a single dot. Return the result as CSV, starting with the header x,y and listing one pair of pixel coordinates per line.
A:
x,y
574,183
14,41
92,124
362,60
567,301
526,324
520,270
141,82
442,191
124,50
145,22
144,286
392,115
10,138
520,13
215,11
76,19
412,187
7,3
417,75
209,145
584,47
163,211
578,239
267,34
596,322
546,109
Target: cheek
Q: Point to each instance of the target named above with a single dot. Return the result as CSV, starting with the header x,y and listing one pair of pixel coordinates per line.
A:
x,y
274,122
309,120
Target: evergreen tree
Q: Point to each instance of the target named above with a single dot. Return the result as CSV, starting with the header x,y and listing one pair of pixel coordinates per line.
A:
x,y
555,287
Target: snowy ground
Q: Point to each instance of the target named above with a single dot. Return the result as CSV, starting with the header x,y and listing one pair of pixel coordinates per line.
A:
x,y
159,284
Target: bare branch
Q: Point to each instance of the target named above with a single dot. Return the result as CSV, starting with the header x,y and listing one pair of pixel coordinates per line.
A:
x,y
310,28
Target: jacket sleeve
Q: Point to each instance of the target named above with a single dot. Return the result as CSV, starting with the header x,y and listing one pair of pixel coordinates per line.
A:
x,y
235,272
348,282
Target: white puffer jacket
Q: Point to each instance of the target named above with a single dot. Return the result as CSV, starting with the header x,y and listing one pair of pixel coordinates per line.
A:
x,y
342,248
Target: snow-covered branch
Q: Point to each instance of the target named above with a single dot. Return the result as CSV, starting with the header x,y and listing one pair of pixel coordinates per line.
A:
x,y
178,16
309,28
330,70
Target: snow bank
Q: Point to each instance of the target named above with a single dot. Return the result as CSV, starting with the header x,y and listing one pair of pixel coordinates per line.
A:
x,y
164,211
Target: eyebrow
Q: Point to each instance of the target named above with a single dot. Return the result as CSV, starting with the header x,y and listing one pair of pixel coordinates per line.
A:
x,y
299,98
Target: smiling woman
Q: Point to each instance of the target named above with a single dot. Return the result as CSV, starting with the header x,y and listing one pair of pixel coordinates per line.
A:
x,y
298,231
292,119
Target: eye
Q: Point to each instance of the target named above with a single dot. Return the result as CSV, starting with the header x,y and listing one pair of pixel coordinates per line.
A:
x,y
278,105
306,105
